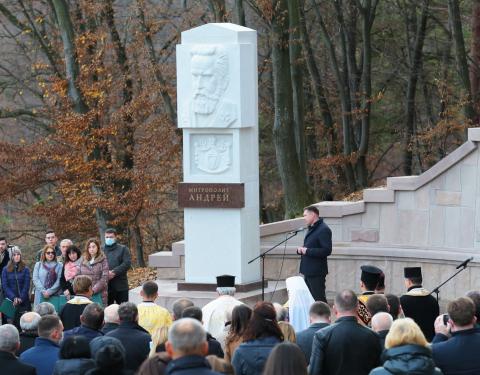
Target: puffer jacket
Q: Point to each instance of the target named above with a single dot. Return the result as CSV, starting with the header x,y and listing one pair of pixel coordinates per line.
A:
x,y
74,366
407,360
250,357
98,271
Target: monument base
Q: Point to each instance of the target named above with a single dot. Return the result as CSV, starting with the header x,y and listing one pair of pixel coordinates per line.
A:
x,y
168,293
206,287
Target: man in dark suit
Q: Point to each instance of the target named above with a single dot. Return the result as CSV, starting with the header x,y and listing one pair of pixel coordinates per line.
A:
x,y
345,347
9,344
317,246
418,303
319,318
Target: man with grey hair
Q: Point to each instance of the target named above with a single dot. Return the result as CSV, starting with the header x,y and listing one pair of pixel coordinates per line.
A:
x,y
381,323
345,347
134,338
215,312
111,318
178,306
64,245
29,325
45,308
187,346
9,344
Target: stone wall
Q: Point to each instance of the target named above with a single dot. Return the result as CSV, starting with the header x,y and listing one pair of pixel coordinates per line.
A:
x,y
431,220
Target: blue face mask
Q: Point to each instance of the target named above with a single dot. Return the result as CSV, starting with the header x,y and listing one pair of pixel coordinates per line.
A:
x,y
109,241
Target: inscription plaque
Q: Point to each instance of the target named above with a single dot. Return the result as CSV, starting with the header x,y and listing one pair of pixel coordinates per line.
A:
x,y
196,195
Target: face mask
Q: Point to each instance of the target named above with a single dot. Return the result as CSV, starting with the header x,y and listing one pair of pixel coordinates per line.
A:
x,y
109,241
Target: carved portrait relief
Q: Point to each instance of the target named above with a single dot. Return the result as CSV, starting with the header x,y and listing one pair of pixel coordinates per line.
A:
x,y
209,69
212,153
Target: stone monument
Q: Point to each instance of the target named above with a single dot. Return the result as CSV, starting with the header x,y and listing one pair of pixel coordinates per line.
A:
x,y
217,100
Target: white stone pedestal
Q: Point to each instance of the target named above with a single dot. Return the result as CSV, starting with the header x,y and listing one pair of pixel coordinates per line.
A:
x,y
217,110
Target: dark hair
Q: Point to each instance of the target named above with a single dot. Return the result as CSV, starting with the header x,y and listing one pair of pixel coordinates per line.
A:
x,y
179,305
111,230
72,249
381,281
48,231
241,315
320,308
475,297
92,316
193,312
110,359
461,311
155,365
127,312
312,209
286,359
346,300
377,303
370,284
263,323
86,253
416,280
3,238
150,288
47,324
74,347
394,303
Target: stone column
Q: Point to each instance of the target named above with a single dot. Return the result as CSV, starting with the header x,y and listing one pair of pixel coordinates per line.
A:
x,y
217,102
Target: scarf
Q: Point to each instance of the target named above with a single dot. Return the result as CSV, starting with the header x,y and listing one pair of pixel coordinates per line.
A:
x,y
51,275
71,270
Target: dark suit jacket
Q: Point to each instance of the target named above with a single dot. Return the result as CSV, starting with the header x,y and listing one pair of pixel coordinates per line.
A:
x,y
27,341
344,348
318,242
305,339
11,365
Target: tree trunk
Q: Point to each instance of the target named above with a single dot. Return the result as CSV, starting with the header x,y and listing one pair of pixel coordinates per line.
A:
x,y
415,69
218,9
461,58
137,239
240,12
475,66
295,188
296,71
72,70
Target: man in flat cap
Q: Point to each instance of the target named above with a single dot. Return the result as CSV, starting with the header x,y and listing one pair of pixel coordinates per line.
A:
x,y
368,283
217,312
418,303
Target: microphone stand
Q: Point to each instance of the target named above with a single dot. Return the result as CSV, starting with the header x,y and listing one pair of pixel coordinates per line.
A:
x,y
262,256
437,289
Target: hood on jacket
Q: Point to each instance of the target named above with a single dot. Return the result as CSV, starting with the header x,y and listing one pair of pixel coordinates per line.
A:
x,y
98,259
409,360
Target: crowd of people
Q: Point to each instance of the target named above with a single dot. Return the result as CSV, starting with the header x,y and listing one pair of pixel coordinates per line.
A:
x,y
97,331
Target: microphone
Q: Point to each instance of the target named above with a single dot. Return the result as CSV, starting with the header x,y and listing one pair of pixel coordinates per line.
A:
x,y
296,230
464,263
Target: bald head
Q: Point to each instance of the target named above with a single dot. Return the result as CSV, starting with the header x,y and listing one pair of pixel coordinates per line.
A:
x,y
29,321
381,321
111,314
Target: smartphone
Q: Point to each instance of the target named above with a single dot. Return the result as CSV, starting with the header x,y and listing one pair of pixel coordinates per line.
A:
x,y
445,319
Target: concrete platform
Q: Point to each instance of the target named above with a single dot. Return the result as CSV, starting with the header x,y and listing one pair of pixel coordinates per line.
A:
x,y
168,294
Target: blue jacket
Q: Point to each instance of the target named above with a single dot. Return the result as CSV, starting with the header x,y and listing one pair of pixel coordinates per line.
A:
x,y
9,284
86,332
250,357
42,356
189,365
318,242
458,354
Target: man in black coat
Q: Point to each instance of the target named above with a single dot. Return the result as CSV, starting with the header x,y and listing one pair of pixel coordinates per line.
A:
x,y
455,345
317,246
134,338
345,347
418,303
319,318
119,262
29,325
9,344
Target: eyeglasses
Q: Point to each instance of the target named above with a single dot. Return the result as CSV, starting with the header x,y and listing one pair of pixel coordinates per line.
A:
x,y
50,253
